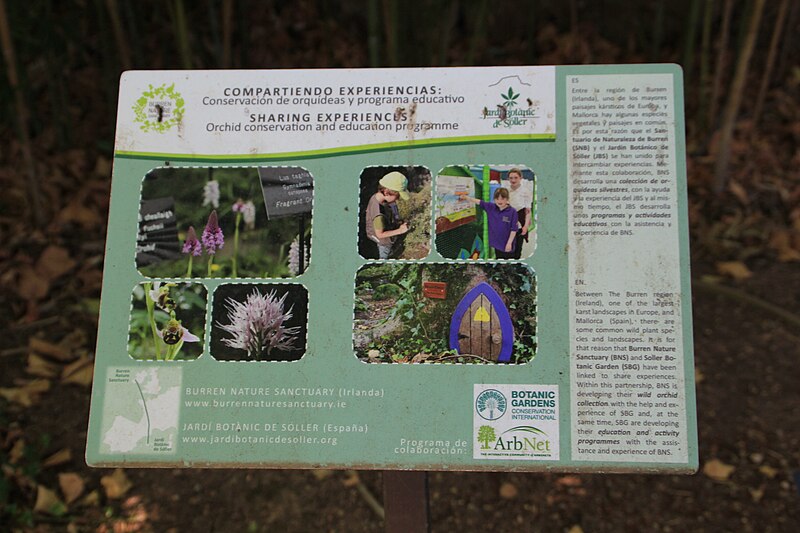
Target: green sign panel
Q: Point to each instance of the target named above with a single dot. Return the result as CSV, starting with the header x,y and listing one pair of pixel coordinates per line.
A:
x,y
460,269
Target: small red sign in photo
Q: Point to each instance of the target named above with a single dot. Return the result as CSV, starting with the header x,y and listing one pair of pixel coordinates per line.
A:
x,y
434,289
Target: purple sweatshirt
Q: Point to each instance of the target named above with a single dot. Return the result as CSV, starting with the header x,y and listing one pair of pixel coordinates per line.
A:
x,y
501,224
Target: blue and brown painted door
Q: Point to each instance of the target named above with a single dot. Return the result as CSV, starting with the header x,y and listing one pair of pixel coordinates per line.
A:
x,y
481,325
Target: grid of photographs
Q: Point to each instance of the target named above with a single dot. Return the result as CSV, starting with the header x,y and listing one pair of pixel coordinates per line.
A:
x,y
251,224
235,223
480,311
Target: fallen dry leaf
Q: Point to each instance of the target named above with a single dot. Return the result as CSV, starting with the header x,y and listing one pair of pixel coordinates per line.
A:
x,y
575,529
32,286
569,481
79,372
39,366
717,470
90,500
16,452
352,479
59,458
781,241
116,484
735,269
47,502
508,491
72,486
26,395
75,212
321,473
54,351
708,278
768,471
102,167
699,377
420,357
54,263
739,192
73,340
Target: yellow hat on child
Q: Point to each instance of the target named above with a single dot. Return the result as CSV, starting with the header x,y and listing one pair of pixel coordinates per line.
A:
x,y
395,181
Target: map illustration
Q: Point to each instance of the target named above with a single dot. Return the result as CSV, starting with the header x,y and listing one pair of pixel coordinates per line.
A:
x,y
140,410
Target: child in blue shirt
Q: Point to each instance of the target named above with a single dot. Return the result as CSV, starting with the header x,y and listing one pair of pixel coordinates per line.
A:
x,y
503,223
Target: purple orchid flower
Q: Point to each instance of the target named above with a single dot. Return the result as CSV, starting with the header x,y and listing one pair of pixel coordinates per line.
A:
x,y
191,245
213,239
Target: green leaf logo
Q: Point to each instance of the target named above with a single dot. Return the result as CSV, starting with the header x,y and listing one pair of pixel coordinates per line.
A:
x,y
486,435
510,98
159,109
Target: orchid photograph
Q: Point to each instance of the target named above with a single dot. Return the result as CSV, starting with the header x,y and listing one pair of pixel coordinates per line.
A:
x,y
221,222
168,321
259,322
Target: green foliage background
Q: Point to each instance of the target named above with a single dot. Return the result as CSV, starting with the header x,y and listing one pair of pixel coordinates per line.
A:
x,y
263,251
424,323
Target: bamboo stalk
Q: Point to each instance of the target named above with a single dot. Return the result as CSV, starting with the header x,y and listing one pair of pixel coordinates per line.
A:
x,y
227,32
214,17
532,18
735,100
658,32
56,91
691,36
119,35
390,16
722,52
573,16
786,57
773,53
705,52
450,13
32,183
130,16
477,32
373,35
181,33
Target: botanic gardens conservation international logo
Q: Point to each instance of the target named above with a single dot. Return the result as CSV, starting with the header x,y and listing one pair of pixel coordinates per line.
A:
x,y
517,422
491,404
159,108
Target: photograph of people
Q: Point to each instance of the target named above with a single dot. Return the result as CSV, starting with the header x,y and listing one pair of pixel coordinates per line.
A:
x,y
383,221
503,223
394,221
520,196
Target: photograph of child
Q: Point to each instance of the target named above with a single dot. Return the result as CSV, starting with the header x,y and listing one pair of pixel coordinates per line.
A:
x,y
520,196
503,223
395,213
383,223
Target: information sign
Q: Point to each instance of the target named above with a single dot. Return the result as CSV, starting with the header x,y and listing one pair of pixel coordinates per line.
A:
x,y
421,269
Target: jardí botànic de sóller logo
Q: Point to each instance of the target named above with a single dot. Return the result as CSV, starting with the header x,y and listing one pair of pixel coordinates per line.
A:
x,y
511,110
159,108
